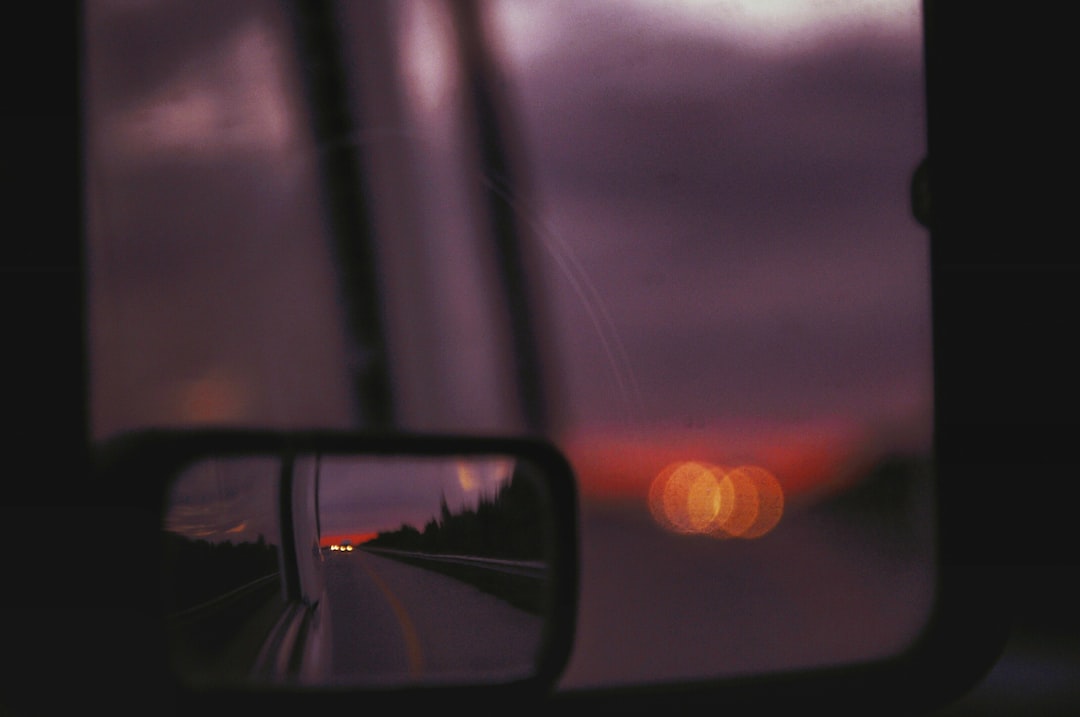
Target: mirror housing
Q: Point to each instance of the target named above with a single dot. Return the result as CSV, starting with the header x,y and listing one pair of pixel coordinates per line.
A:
x,y
266,588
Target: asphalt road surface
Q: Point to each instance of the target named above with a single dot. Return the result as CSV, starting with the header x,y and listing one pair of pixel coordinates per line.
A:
x,y
388,623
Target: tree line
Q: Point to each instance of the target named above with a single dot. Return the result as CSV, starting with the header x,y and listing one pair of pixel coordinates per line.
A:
x,y
509,524
197,571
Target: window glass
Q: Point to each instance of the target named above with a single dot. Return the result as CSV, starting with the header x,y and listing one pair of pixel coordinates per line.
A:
x,y
721,195
734,295
212,293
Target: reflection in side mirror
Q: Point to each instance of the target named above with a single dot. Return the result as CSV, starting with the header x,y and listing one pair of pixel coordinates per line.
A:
x,y
370,564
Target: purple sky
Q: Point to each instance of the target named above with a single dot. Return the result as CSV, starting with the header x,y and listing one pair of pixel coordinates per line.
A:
x,y
222,499
371,493
719,203
740,218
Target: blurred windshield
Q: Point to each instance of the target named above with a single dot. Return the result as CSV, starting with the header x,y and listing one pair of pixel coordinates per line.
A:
x,y
712,208
720,190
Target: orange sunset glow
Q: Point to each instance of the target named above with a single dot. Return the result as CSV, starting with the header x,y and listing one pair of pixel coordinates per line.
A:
x,y
623,463
338,538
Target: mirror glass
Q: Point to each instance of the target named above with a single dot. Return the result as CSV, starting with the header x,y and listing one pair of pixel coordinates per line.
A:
x,y
359,570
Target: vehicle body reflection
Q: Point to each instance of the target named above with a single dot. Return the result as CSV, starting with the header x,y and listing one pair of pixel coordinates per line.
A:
x,y
317,569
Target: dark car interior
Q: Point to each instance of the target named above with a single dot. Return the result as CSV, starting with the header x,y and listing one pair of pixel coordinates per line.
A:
x,y
998,632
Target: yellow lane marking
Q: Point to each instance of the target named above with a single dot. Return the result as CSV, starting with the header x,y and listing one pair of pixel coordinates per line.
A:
x,y
408,630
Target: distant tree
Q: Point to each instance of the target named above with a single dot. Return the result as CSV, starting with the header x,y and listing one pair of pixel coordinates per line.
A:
x,y
509,524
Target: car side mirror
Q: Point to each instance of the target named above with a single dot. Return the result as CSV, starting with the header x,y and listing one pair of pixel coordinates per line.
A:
x,y
307,562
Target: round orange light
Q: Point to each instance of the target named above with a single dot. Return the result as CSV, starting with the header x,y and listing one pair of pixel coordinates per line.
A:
x,y
691,497
770,500
744,509
677,497
697,497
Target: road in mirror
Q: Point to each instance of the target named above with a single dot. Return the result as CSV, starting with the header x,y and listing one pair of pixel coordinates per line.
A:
x,y
357,570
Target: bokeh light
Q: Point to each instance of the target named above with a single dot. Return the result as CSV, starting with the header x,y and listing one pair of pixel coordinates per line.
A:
x,y
695,497
770,499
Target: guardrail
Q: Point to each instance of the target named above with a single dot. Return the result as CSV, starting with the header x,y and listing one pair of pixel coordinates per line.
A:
x,y
522,583
217,641
223,601
537,569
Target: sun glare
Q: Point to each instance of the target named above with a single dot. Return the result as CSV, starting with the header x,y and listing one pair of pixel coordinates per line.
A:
x,y
693,497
